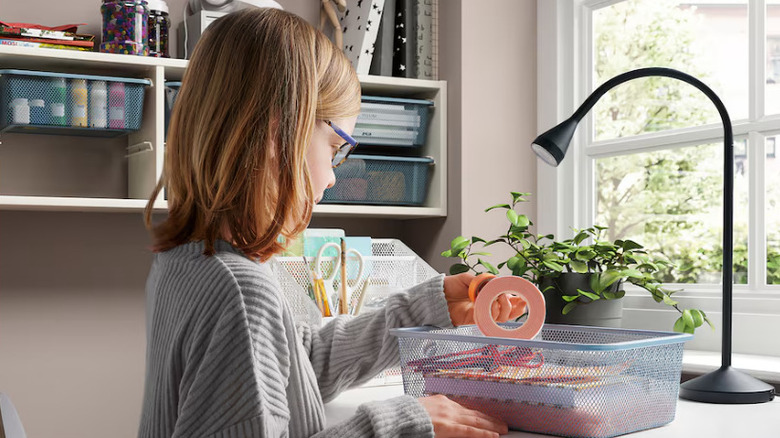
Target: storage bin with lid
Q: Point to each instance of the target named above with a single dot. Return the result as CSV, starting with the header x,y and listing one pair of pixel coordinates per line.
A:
x,y
390,121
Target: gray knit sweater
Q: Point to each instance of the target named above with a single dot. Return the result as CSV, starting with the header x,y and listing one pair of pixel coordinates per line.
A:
x,y
226,359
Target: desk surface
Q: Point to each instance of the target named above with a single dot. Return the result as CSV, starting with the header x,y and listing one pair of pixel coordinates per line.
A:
x,y
693,419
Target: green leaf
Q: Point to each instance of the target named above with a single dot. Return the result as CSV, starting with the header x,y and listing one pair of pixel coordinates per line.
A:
x,y
552,265
590,295
447,253
629,245
475,239
507,206
698,318
513,217
519,197
569,298
632,273
578,266
610,295
568,308
679,325
523,221
458,268
481,253
512,262
459,243
667,300
607,278
688,318
580,237
488,266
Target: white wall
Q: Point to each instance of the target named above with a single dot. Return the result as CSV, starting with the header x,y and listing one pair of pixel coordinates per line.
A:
x,y
72,326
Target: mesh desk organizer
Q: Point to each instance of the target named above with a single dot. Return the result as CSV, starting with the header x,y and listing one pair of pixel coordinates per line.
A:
x,y
392,266
571,381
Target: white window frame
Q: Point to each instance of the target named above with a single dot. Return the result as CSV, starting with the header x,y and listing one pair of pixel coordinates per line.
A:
x,y
564,193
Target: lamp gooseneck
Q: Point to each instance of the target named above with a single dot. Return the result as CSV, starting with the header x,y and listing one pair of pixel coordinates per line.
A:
x,y
725,385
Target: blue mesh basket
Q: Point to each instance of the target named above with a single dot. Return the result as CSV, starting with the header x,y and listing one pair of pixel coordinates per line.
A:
x,y
380,180
171,91
571,381
390,121
70,104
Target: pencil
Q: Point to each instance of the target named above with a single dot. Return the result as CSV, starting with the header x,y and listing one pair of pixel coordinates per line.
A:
x,y
320,286
315,291
343,307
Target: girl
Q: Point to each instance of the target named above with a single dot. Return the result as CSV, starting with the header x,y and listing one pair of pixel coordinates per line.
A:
x,y
263,116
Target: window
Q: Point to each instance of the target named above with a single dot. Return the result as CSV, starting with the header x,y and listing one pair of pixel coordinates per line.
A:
x,y
647,161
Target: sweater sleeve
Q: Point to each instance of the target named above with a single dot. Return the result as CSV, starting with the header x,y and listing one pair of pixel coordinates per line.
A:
x,y
349,351
401,416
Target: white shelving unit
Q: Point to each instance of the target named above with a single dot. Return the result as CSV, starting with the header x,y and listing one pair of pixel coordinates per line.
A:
x,y
35,173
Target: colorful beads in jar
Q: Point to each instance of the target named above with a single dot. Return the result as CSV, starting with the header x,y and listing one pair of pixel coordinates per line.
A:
x,y
125,27
159,24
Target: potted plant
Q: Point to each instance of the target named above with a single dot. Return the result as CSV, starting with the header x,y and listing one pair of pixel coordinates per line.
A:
x,y
581,272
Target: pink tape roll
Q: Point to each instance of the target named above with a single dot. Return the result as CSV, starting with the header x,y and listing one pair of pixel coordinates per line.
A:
x,y
515,285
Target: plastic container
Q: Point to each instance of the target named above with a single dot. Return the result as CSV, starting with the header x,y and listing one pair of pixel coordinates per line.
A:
x,y
158,27
380,180
98,105
125,27
58,96
116,105
389,121
171,91
79,99
570,381
70,104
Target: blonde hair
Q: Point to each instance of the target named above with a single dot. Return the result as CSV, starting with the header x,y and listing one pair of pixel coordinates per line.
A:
x,y
236,151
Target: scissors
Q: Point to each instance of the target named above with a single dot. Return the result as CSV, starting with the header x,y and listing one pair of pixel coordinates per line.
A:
x,y
345,292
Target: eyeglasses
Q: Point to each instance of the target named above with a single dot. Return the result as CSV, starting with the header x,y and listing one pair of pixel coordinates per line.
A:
x,y
345,149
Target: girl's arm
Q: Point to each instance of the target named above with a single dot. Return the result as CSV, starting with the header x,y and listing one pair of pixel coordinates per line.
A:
x,y
349,351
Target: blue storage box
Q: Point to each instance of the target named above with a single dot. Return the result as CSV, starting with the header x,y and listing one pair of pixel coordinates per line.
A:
x,y
171,91
70,104
380,180
389,121
573,381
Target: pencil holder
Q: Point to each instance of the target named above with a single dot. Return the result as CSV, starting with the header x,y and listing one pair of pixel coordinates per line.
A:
x,y
572,381
391,267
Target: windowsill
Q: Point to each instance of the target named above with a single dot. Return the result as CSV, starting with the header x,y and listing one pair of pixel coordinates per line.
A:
x,y
766,368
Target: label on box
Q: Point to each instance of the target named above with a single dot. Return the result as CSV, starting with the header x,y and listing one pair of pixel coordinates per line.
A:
x,y
58,109
116,113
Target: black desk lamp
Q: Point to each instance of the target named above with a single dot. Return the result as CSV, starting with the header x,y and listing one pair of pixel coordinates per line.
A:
x,y
725,385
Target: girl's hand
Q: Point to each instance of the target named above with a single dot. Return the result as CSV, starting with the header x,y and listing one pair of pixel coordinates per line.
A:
x,y
456,291
453,420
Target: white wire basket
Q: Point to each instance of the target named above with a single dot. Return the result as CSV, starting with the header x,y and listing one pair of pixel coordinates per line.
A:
x,y
392,266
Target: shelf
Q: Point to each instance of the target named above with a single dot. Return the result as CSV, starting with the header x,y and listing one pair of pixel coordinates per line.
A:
x,y
34,58
144,169
61,203
389,212
55,203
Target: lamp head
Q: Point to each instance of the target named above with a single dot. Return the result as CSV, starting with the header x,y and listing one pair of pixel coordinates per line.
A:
x,y
552,145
